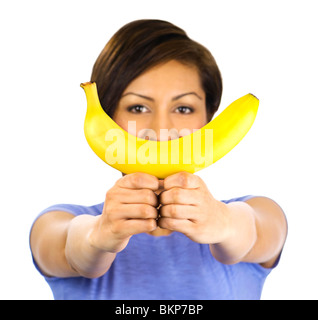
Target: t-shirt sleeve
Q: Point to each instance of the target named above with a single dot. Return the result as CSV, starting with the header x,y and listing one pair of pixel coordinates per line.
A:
x,y
74,209
243,198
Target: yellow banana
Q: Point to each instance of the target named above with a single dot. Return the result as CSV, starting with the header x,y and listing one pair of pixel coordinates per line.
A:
x,y
128,153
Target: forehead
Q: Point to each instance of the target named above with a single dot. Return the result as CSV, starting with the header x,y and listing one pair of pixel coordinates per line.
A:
x,y
171,75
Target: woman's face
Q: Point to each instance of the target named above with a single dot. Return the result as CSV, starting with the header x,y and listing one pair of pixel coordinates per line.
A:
x,y
168,96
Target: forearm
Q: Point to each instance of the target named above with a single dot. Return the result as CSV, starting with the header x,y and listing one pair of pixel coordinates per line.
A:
x,y
256,232
82,256
240,234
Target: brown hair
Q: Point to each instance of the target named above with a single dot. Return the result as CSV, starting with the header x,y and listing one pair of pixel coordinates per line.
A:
x,y
142,44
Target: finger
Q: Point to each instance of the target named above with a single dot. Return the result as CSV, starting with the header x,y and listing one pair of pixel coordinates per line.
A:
x,y
179,196
145,196
133,211
183,180
135,226
178,211
139,180
179,225
160,189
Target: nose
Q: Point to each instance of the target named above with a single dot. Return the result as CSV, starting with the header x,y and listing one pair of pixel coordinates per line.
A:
x,y
160,129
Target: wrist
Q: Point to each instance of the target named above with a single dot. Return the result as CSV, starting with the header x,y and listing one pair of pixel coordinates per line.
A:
x,y
78,246
226,222
93,235
101,239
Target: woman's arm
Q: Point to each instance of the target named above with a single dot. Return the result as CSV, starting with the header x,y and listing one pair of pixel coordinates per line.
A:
x,y
85,245
251,231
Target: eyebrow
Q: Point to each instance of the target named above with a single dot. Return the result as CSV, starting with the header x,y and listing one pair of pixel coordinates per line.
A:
x,y
173,99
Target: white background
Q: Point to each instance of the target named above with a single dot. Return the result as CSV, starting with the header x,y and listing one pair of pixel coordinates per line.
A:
x,y
268,48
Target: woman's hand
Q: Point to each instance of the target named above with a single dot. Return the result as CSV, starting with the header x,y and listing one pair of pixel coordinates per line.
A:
x,y
130,208
189,207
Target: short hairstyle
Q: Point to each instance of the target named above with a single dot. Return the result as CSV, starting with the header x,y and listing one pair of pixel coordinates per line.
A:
x,y
143,44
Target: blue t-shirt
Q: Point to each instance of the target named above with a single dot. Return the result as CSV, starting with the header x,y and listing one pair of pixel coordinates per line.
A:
x,y
162,268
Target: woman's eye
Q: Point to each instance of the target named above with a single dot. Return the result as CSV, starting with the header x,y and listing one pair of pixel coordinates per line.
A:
x,y
137,109
184,110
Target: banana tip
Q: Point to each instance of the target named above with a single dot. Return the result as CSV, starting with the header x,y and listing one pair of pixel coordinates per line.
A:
x,y
254,96
83,84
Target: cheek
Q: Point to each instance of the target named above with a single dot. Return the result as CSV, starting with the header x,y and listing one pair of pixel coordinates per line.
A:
x,y
201,122
191,124
121,119
129,124
117,117
123,124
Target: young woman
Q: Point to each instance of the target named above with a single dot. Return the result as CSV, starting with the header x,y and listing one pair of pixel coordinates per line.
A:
x,y
151,238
